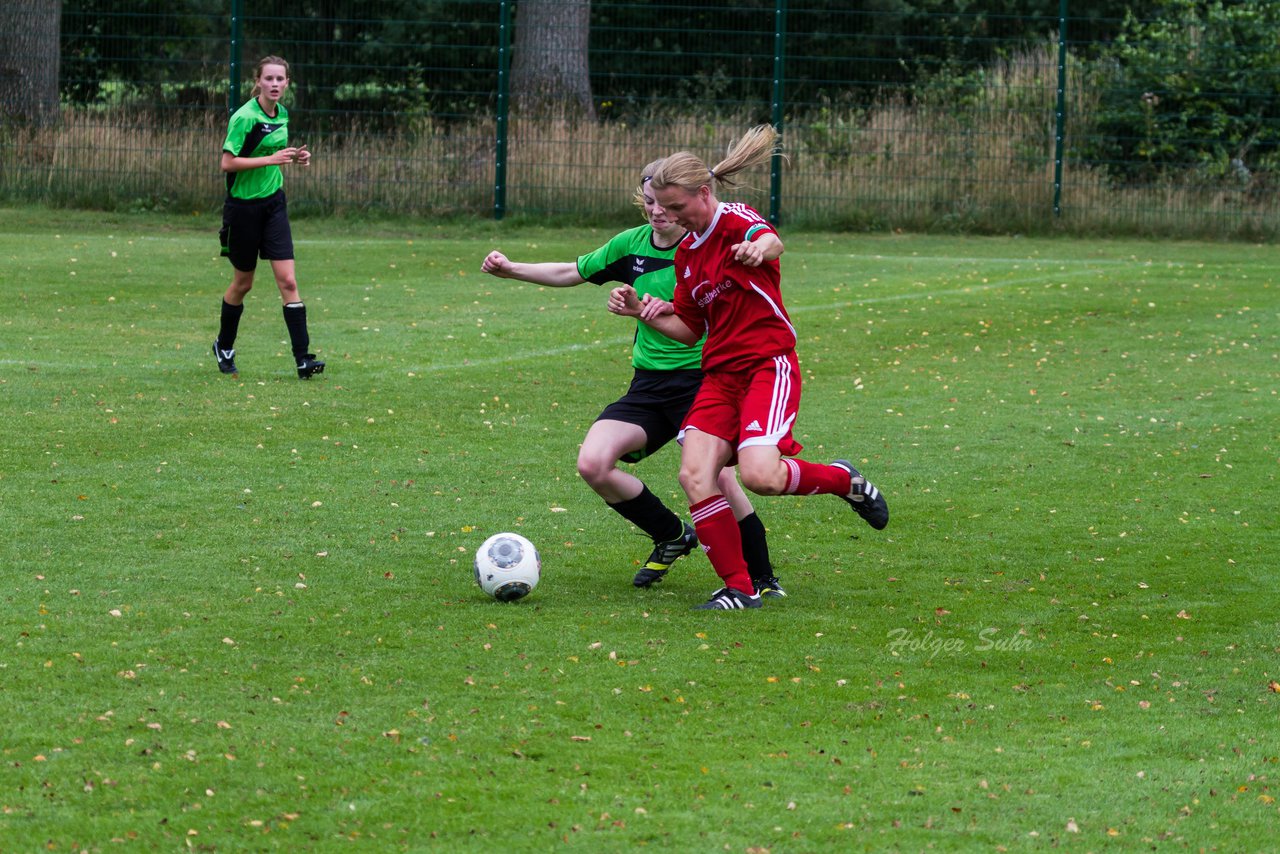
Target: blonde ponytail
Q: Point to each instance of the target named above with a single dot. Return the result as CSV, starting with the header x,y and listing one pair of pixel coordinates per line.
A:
x,y
683,169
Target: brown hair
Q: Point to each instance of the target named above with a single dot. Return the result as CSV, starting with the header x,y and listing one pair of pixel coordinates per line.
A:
x,y
257,72
646,174
686,170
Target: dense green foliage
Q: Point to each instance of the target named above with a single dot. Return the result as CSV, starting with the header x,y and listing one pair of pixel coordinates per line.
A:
x,y
1196,89
387,58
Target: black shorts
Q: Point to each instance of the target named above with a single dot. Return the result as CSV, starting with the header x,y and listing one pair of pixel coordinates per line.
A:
x,y
256,228
656,403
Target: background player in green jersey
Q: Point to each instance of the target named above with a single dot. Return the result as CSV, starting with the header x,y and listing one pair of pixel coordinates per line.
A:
x,y
255,221
648,416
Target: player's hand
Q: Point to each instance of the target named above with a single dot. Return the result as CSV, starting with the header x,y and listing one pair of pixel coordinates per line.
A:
x,y
495,263
301,155
283,157
748,253
651,307
623,300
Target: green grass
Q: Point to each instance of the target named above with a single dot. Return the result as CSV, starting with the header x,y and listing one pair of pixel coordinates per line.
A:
x,y
240,615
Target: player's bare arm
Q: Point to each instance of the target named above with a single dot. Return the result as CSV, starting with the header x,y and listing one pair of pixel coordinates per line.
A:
x,y
553,274
651,307
624,301
283,157
753,253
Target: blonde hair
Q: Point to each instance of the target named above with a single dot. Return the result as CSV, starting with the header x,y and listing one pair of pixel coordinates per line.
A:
x,y
645,175
687,170
257,72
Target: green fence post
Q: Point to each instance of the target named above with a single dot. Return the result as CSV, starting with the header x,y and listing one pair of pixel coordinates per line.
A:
x,y
1060,115
500,142
233,67
779,68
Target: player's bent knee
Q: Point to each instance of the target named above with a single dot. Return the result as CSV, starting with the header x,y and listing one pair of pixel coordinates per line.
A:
x,y
593,469
763,481
695,482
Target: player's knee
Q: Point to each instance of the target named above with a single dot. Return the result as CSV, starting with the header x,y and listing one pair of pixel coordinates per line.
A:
x,y
762,480
695,481
594,468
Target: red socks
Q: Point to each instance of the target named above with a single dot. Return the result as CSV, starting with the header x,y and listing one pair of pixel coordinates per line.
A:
x,y
815,478
722,541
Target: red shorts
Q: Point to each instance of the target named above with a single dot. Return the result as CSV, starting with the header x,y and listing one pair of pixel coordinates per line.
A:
x,y
755,407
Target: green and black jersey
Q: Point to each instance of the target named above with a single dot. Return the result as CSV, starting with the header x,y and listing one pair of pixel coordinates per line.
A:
x,y
632,258
252,133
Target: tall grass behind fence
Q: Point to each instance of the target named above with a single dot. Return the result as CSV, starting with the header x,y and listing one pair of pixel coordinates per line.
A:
x,y
402,113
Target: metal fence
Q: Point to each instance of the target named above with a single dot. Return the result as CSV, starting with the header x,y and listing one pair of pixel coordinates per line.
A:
x,y
963,122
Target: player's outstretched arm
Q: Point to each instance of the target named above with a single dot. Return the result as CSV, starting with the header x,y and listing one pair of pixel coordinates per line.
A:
x,y
554,274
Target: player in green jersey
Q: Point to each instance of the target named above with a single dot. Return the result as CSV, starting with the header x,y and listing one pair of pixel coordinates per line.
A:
x,y
255,221
649,415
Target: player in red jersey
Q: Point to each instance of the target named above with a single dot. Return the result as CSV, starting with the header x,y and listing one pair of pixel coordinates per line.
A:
x,y
649,415
728,285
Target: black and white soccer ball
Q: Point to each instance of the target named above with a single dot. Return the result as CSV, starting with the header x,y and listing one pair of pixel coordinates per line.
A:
x,y
508,567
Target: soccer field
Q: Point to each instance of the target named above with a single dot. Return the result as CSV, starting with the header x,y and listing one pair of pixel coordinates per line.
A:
x,y
240,612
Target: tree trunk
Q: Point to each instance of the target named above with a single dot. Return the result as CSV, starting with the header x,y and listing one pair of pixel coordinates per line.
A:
x,y
550,72
29,51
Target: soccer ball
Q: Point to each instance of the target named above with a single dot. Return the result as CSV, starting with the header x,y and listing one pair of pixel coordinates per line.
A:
x,y
508,567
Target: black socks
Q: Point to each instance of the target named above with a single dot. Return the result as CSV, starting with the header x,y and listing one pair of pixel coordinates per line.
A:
x,y
230,325
647,512
295,318
755,547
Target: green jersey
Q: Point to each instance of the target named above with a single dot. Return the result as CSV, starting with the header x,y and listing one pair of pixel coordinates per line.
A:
x,y
252,133
632,258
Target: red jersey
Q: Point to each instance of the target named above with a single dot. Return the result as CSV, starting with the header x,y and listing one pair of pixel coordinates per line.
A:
x,y
739,307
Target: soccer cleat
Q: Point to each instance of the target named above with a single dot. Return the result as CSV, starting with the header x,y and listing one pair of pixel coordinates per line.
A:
x,y
307,366
728,599
226,358
770,587
663,555
864,498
